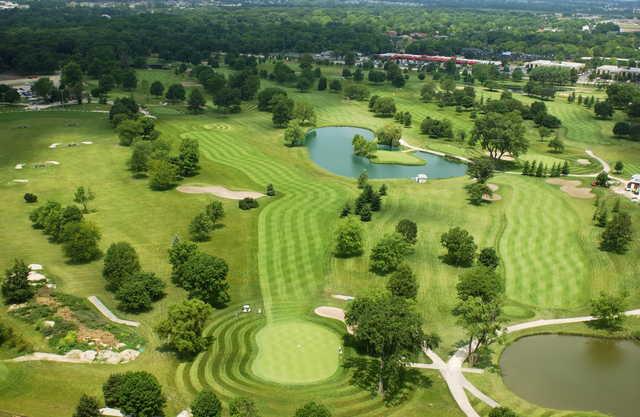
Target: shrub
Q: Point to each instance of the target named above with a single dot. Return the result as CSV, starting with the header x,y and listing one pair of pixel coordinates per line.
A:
x,y
30,198
248,203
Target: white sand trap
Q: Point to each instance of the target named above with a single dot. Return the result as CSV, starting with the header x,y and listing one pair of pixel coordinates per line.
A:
x,y
20,166
583,162
334,313
218,191
21,181
52,162
572,188
54,145
35,267
87,142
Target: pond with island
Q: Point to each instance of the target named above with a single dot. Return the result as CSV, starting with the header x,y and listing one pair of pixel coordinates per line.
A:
x,y
330,147
575,373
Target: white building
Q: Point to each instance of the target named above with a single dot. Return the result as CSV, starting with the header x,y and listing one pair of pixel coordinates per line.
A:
x,y
578,66
615,72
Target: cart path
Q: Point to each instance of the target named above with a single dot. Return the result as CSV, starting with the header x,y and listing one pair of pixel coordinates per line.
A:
x,y
108,314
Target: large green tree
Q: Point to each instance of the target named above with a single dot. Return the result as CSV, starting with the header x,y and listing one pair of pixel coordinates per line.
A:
x,y
206,404
499,134
120,262
388,254
182,329
135,393
348,239
461,248
204,277
15,287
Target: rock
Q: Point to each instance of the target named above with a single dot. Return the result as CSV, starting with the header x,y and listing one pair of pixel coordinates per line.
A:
x,y
74,354
49,323
89,355
35,277
185,413
51,285
14,307
129,355
109,356
111,412
121,345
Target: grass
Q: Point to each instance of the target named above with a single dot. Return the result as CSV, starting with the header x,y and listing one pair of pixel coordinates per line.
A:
x,y
280,255
296,353
398,158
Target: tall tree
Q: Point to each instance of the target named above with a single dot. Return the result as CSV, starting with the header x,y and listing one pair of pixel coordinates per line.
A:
x,y
460,246
206,404
499,134
388,254
83,196
87,407
390,328
182,329
15,287
120,262
349,240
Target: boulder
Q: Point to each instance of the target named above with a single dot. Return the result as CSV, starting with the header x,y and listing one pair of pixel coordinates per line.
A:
x,y
74,354
128,355
89,355
49,323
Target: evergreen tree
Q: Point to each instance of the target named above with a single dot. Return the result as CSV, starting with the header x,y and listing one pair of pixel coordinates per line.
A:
x,y
363,179
15,287
525,168
375,201
565,168
540,170
270,190
206,404
189,157
383,190
616,206
532,169
87,407
365,214
618,234
603,216
346,210
196,101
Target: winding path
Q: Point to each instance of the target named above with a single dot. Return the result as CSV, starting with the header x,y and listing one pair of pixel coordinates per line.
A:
x,y
108,314
452,370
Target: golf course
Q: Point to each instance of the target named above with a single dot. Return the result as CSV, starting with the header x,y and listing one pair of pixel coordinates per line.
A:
x,y
280,255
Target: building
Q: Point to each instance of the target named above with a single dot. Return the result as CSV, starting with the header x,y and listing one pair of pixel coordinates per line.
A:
x,y
578,66
634,184
615,72
419,59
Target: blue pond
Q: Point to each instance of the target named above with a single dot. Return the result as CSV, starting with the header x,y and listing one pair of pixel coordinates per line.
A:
x,y
330,148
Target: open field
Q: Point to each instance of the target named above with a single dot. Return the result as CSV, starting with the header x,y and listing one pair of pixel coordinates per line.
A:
x,y
280,255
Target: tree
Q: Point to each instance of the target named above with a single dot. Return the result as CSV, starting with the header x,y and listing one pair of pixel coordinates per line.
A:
x,y
312,409
376,77
206,404
388,254
215,211
489,258
358,75
481,169
162,174
139,161
282,111
182,329
391,329
15,287
129,80
403,283
304,113
267,97
603,109
622,128
557,145
135,393
460,246
502,412
243,407
608,311
175,93
30,198
304,83
196,102
120,262
137,294
481,321
189,157
389,135
83,196
477,192
335,86
363,147
602,179
348,239
363,179
322,83
156,89
87,407
294,134
436,128
42,88
408,230
71,79
247,203
428,91
204,277
499,134
81,242
228,99
179,253
618,234
356,92
384,107
482,282
270,191
200,227
618,167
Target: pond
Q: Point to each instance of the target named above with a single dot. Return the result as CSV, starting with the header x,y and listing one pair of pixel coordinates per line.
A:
x,y
330,148
575,373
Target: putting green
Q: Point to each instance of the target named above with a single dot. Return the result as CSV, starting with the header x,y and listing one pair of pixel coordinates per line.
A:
x,y
296,352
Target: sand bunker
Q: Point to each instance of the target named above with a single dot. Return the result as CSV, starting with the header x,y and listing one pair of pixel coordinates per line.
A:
x,y
571,187
54,145
334,313
21,181
20,166
52,163
87,142
218,191
583,162
494,196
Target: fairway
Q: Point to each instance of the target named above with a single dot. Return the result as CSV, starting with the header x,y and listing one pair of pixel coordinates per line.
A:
x,y
296,352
